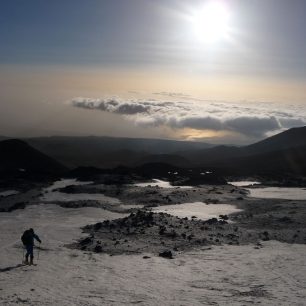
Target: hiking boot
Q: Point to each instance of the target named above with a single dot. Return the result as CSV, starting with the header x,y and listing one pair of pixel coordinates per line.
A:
x,y
26,262
31,261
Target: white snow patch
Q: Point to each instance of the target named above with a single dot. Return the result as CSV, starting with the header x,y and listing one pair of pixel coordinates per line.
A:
x,y
64,183
7,193
51,195
244,183
161,184
131,206
288,193
68,197
199,209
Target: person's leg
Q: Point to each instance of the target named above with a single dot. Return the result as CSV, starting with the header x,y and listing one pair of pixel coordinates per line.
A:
x,y
31,254
28,253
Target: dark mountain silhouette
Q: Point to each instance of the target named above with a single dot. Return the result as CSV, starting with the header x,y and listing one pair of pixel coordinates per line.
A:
x,y
284,153
291,138
295,137
106,152
212,155
18,159
270,164
170,159
292,160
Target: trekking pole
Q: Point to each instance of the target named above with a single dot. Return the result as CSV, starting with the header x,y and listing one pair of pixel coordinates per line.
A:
x,y
38,248
22,254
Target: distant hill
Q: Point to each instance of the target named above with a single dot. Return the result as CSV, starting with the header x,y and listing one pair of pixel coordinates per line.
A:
x,y
291,138
284,153
281,153
275,163
107,152
170,159
18,159
213,155
295,137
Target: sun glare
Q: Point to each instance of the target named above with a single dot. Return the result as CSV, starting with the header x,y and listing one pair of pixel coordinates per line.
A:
x,y
211,22
200,135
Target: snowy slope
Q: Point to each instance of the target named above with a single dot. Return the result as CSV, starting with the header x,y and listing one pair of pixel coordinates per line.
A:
x,y
226,275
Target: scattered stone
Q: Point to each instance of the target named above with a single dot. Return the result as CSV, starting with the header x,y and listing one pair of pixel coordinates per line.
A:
x,y
98,248
85,241
285,220
212,221
166,254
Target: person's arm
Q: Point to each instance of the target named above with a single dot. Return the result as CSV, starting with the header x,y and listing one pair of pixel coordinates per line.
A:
x,y
37,238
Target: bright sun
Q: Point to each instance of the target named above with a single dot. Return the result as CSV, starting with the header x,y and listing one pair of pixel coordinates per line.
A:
x,y
211,22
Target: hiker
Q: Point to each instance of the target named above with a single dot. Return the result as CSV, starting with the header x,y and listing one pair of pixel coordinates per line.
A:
x,y
28,242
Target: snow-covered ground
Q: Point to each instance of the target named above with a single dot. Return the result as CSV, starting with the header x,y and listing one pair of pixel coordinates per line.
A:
x,y
198,209
222,275
67,197
65,182
288,193
50,194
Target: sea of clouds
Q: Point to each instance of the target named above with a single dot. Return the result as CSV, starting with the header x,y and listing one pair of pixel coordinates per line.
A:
x,y
251,119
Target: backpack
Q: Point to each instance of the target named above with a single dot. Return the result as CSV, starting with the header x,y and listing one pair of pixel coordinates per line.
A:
x,y
26,238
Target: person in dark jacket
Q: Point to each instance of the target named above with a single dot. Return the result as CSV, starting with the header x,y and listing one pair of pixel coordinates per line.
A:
x,y
28,242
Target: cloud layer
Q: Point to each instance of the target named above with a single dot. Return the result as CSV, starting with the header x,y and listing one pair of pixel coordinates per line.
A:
x,y
251,119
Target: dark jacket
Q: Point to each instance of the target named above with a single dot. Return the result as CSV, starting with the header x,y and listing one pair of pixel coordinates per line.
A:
x,y
28,238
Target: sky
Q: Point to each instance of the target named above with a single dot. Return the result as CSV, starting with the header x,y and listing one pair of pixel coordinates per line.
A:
x,y
219,71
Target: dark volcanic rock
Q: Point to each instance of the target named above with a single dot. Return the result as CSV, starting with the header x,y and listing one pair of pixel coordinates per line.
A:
x,y
98,248
166,254
285,220
85,241
157,232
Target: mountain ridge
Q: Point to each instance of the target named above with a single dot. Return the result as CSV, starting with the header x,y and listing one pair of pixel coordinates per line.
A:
x,y
284,152
17,158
